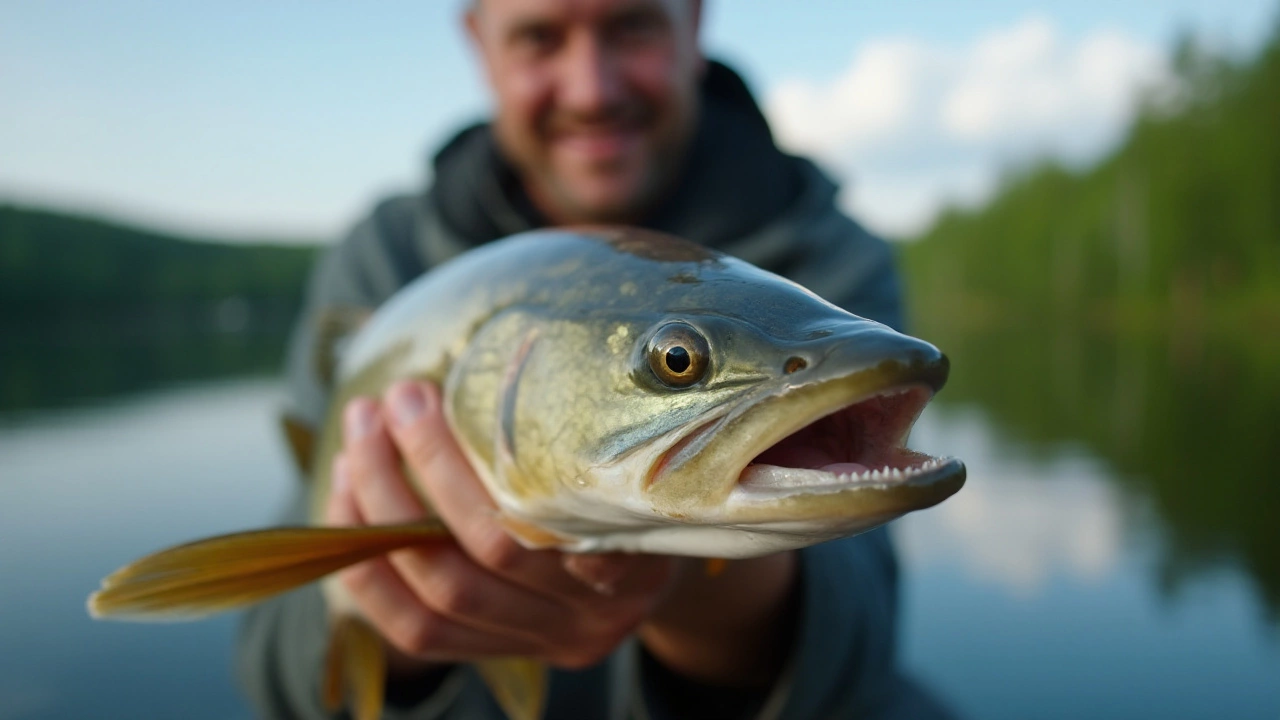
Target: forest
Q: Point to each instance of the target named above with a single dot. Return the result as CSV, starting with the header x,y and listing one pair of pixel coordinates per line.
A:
x,y
93,309
1179,225
1134,307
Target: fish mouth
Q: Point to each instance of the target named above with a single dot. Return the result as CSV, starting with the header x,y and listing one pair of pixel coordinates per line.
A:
x,y
861,445
823,451
818,450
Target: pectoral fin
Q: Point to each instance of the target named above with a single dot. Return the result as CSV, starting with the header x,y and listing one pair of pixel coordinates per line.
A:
x,y
231,571
518,684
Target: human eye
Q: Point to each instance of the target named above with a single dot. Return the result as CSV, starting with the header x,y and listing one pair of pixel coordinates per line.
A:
x,y
535,38
637,25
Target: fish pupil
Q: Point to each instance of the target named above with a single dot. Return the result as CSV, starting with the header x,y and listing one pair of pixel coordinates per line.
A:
x,y
678,360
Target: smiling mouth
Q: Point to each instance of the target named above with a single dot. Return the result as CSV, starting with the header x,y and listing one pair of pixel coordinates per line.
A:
x,y
858,446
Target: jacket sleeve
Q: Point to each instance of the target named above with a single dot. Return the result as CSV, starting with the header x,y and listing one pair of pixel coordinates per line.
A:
x,y
843,663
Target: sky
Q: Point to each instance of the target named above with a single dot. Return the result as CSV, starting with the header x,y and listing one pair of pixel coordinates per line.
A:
x,y
289,119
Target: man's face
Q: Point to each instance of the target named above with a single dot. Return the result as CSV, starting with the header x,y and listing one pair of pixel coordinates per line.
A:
x,y
596,99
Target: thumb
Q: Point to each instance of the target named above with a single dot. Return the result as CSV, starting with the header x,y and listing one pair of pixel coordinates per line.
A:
x,y
423,436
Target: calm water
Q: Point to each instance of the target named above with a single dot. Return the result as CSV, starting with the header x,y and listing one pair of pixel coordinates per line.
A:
x,y
1064,581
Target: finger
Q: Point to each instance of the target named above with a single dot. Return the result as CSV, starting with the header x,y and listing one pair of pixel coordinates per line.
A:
x,y
447,479
443,578
448,581
340,508
621,573
413,628
377,482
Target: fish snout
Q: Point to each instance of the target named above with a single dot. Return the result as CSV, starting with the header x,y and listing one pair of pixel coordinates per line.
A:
x,y
878,349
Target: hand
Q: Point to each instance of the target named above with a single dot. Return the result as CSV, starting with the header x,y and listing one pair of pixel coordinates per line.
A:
x,y
483,595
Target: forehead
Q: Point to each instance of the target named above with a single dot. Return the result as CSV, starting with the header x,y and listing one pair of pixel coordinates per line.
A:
x,y
567,10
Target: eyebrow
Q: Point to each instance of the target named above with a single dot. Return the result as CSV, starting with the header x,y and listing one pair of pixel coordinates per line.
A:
x,y
534,20
529,23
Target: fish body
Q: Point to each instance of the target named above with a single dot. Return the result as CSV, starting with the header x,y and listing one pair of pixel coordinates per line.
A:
x,y
613,389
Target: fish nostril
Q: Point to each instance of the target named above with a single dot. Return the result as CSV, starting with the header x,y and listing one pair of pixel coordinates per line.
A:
x,y
794,364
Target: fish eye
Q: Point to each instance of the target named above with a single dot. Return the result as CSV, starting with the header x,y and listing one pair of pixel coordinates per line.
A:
x,y
678,355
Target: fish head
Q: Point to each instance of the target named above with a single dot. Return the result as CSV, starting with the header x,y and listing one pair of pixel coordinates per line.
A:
x,y
700,405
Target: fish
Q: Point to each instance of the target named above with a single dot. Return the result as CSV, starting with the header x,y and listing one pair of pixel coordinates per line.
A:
x,y
615,390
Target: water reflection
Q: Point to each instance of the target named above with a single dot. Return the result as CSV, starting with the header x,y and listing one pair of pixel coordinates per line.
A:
x,y
1029,594
62,361
1188,423
1112,556
86,490
1022,522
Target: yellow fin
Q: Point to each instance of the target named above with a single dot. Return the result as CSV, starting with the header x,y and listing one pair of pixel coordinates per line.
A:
x,y
518,684
302,442
231,571
355,669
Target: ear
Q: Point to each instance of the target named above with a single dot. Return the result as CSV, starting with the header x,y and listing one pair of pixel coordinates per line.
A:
x,y
471,25
472,21
695,28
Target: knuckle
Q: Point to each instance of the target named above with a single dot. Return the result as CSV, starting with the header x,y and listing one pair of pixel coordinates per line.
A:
x,y
361,580
421,445
589,647
417,633
495,549
455,597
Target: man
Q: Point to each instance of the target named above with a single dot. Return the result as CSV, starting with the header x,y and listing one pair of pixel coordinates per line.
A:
x,y
606,112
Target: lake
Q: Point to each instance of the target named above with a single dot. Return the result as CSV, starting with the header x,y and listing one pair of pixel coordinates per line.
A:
x,y
1112,556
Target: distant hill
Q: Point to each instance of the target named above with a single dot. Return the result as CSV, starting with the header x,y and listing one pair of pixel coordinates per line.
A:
x,y
51,261
91,310
1180,224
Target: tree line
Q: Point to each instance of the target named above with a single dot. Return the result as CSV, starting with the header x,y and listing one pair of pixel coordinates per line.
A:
x,y
1181,223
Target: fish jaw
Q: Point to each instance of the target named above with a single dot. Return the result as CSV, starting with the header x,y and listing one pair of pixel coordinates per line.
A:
x,y
814,457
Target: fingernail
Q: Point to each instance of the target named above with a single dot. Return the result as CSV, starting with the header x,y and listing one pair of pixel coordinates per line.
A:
x,y
360,419
408,403
600,573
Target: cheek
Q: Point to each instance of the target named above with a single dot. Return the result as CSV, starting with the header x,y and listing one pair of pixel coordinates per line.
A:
x,y
657,73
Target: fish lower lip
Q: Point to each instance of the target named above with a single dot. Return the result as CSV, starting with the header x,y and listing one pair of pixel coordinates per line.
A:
x,y
771,479
858,445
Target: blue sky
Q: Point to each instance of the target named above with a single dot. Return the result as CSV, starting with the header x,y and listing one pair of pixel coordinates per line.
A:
x,y
289,118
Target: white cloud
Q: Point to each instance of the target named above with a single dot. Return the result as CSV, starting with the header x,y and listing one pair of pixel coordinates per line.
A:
x,y
916,126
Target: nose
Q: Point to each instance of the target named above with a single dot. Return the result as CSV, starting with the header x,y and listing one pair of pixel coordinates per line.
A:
x,y
592,78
